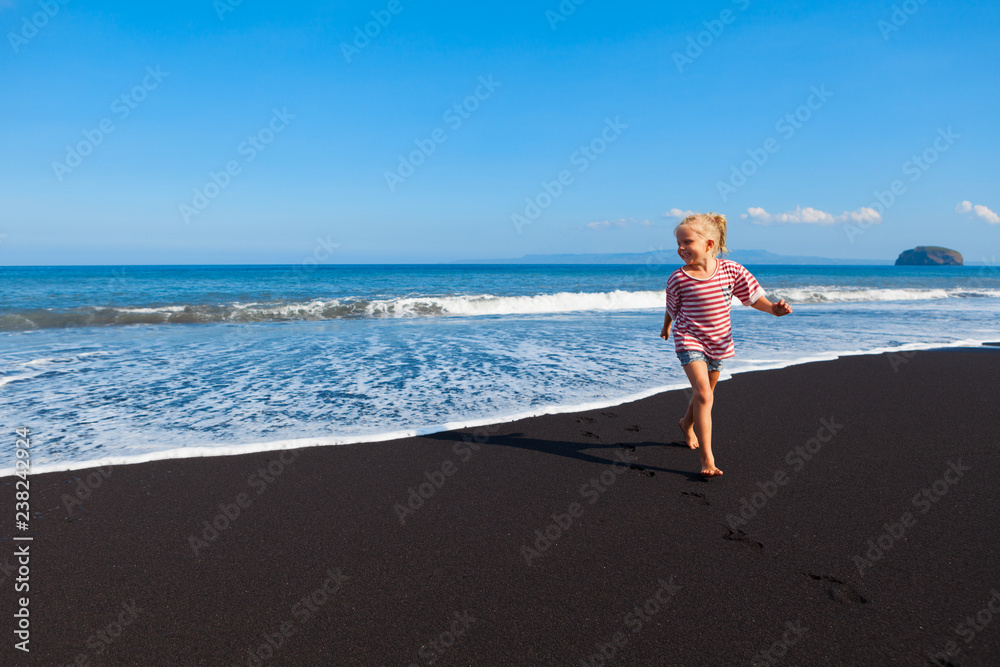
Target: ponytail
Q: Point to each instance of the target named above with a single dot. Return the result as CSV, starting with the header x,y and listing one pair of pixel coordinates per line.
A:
x,y
711,226
720,224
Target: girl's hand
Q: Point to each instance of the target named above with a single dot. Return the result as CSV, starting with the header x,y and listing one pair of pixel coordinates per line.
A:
x,y
781,308
665,332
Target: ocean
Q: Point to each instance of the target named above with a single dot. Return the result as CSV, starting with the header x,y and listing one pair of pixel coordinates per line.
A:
x,y
108,365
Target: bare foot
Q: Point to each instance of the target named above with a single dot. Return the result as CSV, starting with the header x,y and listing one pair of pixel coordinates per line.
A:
x,y
708,468
689,436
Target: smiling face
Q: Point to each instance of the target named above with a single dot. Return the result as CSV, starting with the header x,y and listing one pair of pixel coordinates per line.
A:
x,y
692,247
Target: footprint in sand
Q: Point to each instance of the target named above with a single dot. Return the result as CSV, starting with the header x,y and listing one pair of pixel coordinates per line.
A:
x,y
647,473
839,591
586,420
634,429
630,448
696,498
609,414
739,536
588,434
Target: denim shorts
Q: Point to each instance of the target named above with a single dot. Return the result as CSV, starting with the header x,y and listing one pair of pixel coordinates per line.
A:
x,y
687,356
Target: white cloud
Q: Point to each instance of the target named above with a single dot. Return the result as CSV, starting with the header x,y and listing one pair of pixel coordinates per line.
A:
x,y
807,215
604,224
620,222
811,216
863,214
979,211
677,213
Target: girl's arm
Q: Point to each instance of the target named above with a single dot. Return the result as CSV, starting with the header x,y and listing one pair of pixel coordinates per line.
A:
x,y
673,306
780,308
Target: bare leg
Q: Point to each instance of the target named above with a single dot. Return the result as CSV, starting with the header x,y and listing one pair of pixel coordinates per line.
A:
x,y
687,421
701,412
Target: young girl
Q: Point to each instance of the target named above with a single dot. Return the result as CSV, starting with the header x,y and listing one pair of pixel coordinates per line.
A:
x,y
699,295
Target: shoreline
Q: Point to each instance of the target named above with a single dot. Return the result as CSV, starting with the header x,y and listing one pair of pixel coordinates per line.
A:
x,y
854,525
210,451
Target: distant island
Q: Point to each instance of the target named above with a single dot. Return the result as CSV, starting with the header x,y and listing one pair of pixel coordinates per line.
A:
x,y
669,256
930,255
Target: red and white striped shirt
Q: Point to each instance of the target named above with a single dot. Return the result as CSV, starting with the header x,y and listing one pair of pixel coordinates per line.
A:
x,y
700,308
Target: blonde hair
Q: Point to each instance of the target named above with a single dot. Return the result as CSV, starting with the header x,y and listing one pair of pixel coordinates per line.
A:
x,y
710,226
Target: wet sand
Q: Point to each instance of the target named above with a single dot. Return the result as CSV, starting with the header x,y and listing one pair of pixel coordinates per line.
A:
x,y
856,523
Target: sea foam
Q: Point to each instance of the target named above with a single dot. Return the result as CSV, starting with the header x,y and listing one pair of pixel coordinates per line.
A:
x,y
475,305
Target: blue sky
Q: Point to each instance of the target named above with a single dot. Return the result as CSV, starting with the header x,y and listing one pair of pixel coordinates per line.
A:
x,y
247,132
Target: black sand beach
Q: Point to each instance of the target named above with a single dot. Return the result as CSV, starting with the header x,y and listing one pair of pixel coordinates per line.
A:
x,y
856,524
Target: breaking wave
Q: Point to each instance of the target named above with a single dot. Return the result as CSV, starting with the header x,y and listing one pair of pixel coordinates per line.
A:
x,y
427,306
